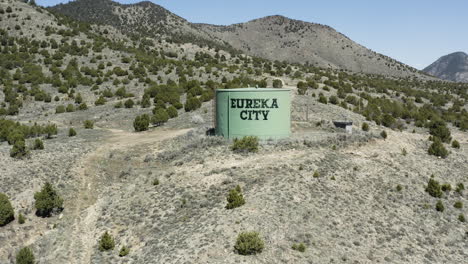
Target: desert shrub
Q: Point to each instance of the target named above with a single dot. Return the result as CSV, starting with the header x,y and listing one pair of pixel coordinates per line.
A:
x,y
461,218
455,144
299,247
388,120
437,148
404,152
7,214
235,198
141,123
21,219
156,182
160,117
129,103
60,109
124,251
458,204
19,150
50,130
316,174
249,243
399,188
70,108
100,101
446,187
172,112
323,99
71,132
78,99
193,103
38,144
439,129
118,104
440,206
460,188
25,256
277,83
83,106
88,124
383,134
434,189
334,100
106,242
47,200
246,144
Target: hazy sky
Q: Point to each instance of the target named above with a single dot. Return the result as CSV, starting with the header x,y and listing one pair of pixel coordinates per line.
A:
x,y
415,32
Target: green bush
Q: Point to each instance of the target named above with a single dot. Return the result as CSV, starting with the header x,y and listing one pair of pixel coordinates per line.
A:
x,y
334,100
38,144
7,214
19,150
439,129
434,189
160,117
365,127
70,108
235,198
50,130
21,219
458,204
461,218
383,134
100,101
299,247
446,187
455,144
47,200
71,132
83,106
106,242
440,206
277,83
25,256
193,103
88,124
246,144
323,99
129,103
60,109
172,112
249,243
460,188
437,148
124,251
141,123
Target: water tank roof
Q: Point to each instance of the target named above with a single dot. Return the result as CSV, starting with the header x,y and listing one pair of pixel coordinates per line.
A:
x,y
254,90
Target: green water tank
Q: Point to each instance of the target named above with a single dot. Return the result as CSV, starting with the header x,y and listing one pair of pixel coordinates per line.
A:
x,y
261,112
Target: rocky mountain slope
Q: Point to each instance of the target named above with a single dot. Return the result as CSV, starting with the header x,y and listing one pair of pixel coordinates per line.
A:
x,y
452,67
273,38
281,38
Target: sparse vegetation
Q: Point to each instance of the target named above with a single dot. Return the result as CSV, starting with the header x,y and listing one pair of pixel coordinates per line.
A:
x,y
47,201
245,145
365,127
38,144
88,124
25,256
106,242
434,189
455,144
124,251
458,204
71,132
235,198
383,134
21,219
249,243
299,247
141,123
7,214
437,149
440,206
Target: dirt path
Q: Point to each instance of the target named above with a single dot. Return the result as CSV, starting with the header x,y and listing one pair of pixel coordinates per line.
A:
x,y
84,210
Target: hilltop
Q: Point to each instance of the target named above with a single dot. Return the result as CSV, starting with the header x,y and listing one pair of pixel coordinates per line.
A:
x,y
272,38
452,67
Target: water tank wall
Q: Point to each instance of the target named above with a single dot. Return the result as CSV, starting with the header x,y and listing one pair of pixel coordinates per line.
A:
x,y
262,112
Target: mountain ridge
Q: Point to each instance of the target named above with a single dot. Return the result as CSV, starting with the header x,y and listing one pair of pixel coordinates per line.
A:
x,y
451,67
274,37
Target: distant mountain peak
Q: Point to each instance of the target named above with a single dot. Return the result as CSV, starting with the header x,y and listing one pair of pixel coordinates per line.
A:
x,y
451,67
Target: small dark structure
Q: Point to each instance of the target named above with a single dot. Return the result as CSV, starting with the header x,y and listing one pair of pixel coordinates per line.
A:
x,y
346,125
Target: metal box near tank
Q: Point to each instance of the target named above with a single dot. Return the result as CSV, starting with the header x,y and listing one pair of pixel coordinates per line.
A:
x,y
261,112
